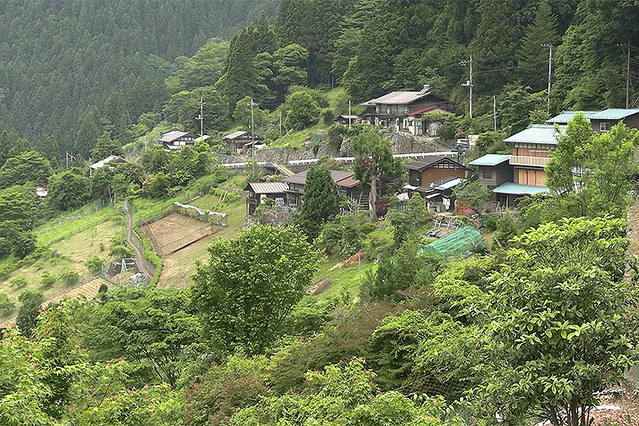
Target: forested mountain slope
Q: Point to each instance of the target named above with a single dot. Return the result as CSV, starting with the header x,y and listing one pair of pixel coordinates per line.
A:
x,y
59,56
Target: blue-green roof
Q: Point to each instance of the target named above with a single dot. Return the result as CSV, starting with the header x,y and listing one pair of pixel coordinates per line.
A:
x,y
490,160
450,184
566,116
537,133
614,114
519,189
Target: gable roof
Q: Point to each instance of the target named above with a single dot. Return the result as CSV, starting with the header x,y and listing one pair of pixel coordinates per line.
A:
x,y
172,135
426,109
614,114
403,97
431,160
110,158
236,135
267,187
565,116
544,134
300,178
490,160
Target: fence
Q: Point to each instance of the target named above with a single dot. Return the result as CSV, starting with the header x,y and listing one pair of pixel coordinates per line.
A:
x,y
67,227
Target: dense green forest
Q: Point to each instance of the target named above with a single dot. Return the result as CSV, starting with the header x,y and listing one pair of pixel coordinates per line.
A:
x,y
61,57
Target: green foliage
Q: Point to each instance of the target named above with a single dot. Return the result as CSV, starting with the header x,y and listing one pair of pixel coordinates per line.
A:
x,y
516,103
302,111
69,278
341,237
47,281
19,282
373,157
568,154
25,167
205,67
105,146
121,251
27,318
409,220
343,395
562,320
249,286
6,304
242,114
68,191
319,202
472,195
154,328
95,264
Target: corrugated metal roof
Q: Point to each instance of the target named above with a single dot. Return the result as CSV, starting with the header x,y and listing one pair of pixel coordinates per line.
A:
x,y
172,135
235,135
450,184
490,160
537,133
267,187
300,177
614,114
397,98
566,116
349,182
519,189
110,158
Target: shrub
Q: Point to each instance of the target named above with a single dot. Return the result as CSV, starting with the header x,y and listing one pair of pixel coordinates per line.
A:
x,y
6,305
47,280
19,282
121,251
69,278
94,264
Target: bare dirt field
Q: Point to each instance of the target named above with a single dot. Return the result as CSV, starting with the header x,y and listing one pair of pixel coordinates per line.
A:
x,y
181,264
175,232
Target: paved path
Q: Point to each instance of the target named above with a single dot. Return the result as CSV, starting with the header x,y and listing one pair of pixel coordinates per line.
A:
x,y
141,260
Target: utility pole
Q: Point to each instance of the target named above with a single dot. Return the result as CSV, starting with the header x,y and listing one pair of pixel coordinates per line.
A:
x,y
201,117
550,47
252,129
349,114
495,112
627,46
280,124
469,83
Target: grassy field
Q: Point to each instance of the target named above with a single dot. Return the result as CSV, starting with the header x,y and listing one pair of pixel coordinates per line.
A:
x,y
67,255
340,281
294,139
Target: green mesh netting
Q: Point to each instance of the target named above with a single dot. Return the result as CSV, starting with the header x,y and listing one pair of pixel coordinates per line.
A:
x,y
457,244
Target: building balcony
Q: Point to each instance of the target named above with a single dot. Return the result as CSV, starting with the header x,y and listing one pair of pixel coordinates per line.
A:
x,y
522,160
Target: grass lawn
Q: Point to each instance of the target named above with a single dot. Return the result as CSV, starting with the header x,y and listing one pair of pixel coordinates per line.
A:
x,y
342,280
294,139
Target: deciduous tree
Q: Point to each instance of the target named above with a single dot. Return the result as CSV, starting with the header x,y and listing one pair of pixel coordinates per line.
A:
x,y
250,284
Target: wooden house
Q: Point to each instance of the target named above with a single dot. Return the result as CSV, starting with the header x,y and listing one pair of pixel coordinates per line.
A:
x,y
345,181
433,170
258,192
395,108
176,139
603,121
494,169
241,142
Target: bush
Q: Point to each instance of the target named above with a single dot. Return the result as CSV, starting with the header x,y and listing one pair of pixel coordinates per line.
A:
x,y
121,251
95,264
47,280
6,305
490,221
19,282
69,278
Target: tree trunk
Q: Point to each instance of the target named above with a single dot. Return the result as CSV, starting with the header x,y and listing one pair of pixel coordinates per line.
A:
x,y
373,199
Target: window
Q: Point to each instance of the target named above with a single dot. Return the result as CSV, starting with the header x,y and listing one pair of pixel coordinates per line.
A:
x,y
487,174
604,126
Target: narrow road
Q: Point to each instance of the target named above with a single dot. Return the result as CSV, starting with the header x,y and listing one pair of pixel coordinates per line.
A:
x,y
141,260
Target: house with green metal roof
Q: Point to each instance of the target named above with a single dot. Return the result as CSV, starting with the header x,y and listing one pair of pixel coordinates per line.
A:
x,y
602,121
493,169
565,116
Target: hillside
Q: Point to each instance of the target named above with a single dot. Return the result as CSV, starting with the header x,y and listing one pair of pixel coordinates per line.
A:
x,y
60,57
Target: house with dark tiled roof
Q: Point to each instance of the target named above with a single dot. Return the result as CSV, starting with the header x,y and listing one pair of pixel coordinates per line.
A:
x,y
403,110
433,170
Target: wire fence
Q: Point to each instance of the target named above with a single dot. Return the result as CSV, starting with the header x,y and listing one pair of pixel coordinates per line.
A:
x,y
163,247
71,225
